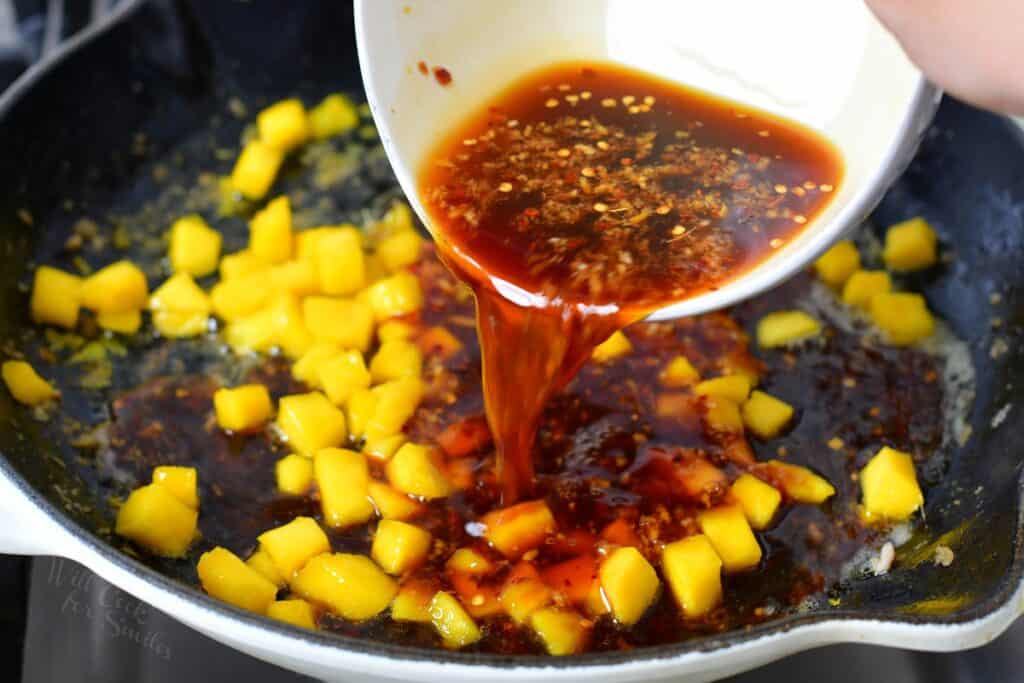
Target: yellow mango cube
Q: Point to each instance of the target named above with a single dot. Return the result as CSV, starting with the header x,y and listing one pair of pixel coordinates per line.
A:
x,y
294,612
693,571
765,415
733,388
343,375
469,561
394,403
903,318
563,632
351,586
126,322
155,519
270,232
910,245
25,385
180,482
117,288
783,328
630,584
394,330
310,422
864,285
290,331
56,297
307,242
359,411
343,477
799,483
383,447
679,373
345,322
412,470
614,346
180,308
240,297
400,250
307,368
256,332
452,622
294,474
255,169
392,504
242,409
722,415
837,264
240,264
180,324
396,359
292,545
339,259
195,246
729,532
516,529
413,602
523,596
295,277
224,576
889,486
395,296
283,125
399,547
759,500
333,116
262,563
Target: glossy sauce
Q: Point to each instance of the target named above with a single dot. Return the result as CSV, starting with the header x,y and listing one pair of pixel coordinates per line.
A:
x,y
586,196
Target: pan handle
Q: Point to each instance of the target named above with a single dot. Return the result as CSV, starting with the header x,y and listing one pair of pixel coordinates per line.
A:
x,y
26,528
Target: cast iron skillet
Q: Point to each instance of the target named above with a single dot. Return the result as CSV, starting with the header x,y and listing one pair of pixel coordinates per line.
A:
x,y
69,135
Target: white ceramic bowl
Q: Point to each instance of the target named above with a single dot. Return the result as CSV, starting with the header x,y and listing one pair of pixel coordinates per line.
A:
x,y
829,65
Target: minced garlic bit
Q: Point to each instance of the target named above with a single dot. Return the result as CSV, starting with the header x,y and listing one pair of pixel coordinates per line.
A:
x,y
551,103
835,443
943,556
883,563
505,187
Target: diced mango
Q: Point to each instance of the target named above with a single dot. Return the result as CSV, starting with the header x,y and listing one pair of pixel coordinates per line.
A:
x,y
679,373
629,584
413,602
864,285
343,375
156,520
292,545
180,308
283,125
255,169
195,246
729,532
392,330
239,297
396,359
310,422
910,245
394,403
395,296
397,219
307,368
351,586
523,596
383,447
25,385
412,471
256,332
783,328
56,297
343,478
516,529
345,322
614,346
799,483
392,504
295,612
694,573
759,500
270,232
294,474
117,288
224,576
359,411
469,561
722,415
734,388
264,565
904,318
456,628
126,322
295,277
399,547
439,341
838,263
563,632
890,488
765,415
240,264
242,409
400,250
333,116
339,259
180,482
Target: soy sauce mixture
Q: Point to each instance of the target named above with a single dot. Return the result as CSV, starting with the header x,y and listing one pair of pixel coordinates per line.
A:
x,y
586,196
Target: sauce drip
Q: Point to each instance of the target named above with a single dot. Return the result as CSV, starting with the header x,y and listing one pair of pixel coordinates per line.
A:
x,y
586,196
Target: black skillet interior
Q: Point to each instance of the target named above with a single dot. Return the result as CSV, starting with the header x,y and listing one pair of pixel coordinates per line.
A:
x,y
83,140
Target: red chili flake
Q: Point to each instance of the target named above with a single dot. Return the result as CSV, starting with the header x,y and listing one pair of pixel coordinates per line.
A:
x,y
442,75
422,66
